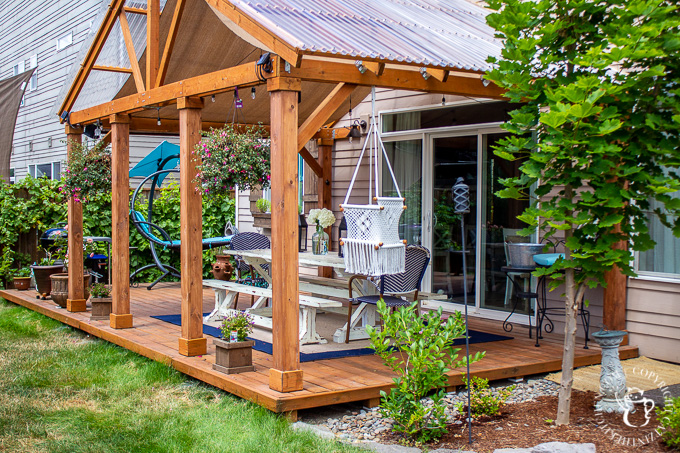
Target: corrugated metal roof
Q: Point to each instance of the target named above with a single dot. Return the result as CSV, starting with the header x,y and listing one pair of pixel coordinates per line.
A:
x,y
450,34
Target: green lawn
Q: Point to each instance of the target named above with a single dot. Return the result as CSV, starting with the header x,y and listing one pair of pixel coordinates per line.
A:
x,y
63,391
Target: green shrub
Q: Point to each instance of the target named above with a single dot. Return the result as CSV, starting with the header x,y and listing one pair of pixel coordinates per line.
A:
x,y
483,401
419,349
669,417
37,203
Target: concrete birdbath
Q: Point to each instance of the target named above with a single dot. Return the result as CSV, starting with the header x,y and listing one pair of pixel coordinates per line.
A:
x,y
612,378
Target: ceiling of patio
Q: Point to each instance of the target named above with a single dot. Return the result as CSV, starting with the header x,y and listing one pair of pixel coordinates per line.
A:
x,y
410,34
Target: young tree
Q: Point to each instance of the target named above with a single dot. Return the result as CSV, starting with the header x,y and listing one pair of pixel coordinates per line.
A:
x,y
599,127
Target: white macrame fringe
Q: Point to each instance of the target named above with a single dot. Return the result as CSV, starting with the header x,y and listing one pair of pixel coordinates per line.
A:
x,y
361,257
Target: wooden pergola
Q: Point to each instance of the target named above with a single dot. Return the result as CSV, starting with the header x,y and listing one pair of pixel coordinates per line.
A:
x,y
308,89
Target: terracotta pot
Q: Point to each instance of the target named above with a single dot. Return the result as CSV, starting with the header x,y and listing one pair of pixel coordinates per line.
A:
x,y
232,358
222,269
101,308
22,283
60,288
43,284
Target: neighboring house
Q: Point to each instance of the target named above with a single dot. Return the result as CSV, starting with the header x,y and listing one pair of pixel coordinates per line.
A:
x,y
49,36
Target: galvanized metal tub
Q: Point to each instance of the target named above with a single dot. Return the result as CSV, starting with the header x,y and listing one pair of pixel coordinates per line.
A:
x,y
521,255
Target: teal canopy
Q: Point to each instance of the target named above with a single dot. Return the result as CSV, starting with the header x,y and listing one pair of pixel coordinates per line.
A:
x,y
165,152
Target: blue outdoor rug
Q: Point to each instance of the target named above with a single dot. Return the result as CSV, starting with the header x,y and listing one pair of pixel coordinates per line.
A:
x,y
266,347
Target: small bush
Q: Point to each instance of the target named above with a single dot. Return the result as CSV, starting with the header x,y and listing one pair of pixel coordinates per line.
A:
x,y
669,417
419,349
482,398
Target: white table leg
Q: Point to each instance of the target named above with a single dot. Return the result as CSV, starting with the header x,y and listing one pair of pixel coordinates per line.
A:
x,y
363,316
308,333
224,301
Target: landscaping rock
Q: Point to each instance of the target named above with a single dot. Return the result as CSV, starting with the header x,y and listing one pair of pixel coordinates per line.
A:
x,y
318,430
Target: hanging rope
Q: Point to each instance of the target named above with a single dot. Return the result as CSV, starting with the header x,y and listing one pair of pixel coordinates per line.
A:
x,y
373,246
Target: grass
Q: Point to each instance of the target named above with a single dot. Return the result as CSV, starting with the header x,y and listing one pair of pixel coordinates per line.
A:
x,y
63,391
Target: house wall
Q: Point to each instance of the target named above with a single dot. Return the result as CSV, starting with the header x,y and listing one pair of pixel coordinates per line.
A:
x,y
653,317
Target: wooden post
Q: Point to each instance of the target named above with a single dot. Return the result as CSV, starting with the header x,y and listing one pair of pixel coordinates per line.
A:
x,y
76,292
286,375
615,298
120,317
325,185
192,342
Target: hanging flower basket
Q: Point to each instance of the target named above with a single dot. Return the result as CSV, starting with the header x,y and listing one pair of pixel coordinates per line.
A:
x,y
227,158
87,173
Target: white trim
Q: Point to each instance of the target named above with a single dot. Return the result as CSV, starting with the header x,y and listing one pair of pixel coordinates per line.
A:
x,y
439,106
658,277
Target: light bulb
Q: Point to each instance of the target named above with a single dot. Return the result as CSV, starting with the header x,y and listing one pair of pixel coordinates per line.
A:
x,y
158,122
350,140
252,92
212,98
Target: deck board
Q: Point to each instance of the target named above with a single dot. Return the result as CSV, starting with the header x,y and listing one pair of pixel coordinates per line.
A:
x,y
326,382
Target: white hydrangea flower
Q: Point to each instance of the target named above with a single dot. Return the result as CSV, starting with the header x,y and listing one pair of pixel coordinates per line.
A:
x,y
323,216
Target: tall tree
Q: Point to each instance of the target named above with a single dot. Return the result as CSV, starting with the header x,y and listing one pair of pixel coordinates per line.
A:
x,y
599,127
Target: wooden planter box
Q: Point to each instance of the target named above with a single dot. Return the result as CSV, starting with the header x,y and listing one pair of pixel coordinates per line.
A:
x,y
22,283
101,308
235,357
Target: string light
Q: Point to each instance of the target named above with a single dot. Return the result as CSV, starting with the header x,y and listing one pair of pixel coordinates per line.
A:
x,y
212,98
158,112
252,92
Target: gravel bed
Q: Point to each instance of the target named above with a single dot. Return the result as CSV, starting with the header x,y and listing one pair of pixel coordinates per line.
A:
x,y
368,424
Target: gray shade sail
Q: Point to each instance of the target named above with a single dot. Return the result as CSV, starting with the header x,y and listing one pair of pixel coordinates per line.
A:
x,y
11,92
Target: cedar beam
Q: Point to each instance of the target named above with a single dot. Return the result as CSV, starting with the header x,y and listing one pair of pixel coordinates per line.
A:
x,y
130,46
204,85
191,342
398,79
320,115
375,67
309,160
95,49
285,375
615,296
112,69
131,10
440,74
153,19
76,291
120,317
170,42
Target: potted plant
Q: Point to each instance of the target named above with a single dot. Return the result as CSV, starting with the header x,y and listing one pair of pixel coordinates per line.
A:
x,y
22,279
59,280
322,218
101,301
263,205
52,264
234,353
227,158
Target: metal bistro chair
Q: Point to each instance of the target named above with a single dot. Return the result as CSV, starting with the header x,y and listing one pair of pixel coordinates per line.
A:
x,y
394,287
249,241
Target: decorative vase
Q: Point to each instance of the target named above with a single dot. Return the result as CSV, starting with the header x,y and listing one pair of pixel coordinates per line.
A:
x,y
101,308
222,269
22,283
232,358
319,241
60,288
43,283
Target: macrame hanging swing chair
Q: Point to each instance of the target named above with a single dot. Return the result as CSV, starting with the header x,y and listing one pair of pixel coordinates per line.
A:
x,y
372,246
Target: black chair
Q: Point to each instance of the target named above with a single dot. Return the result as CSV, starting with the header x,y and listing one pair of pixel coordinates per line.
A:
x,y
156,235
394,287
249,241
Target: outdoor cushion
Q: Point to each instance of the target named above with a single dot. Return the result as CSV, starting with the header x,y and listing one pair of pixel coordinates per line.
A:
x,y
547,259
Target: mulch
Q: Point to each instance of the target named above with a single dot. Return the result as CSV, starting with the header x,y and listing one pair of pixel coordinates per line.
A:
x,y
524,425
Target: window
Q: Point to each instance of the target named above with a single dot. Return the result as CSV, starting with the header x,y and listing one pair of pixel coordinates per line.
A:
x,y
11,176
64,41
50,170
33,63
664,259
18,68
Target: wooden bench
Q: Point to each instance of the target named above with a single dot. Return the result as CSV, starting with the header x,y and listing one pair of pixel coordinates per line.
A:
x,y
226,296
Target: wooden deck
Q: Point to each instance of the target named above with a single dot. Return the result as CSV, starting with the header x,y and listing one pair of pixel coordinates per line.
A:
x,y
326,382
